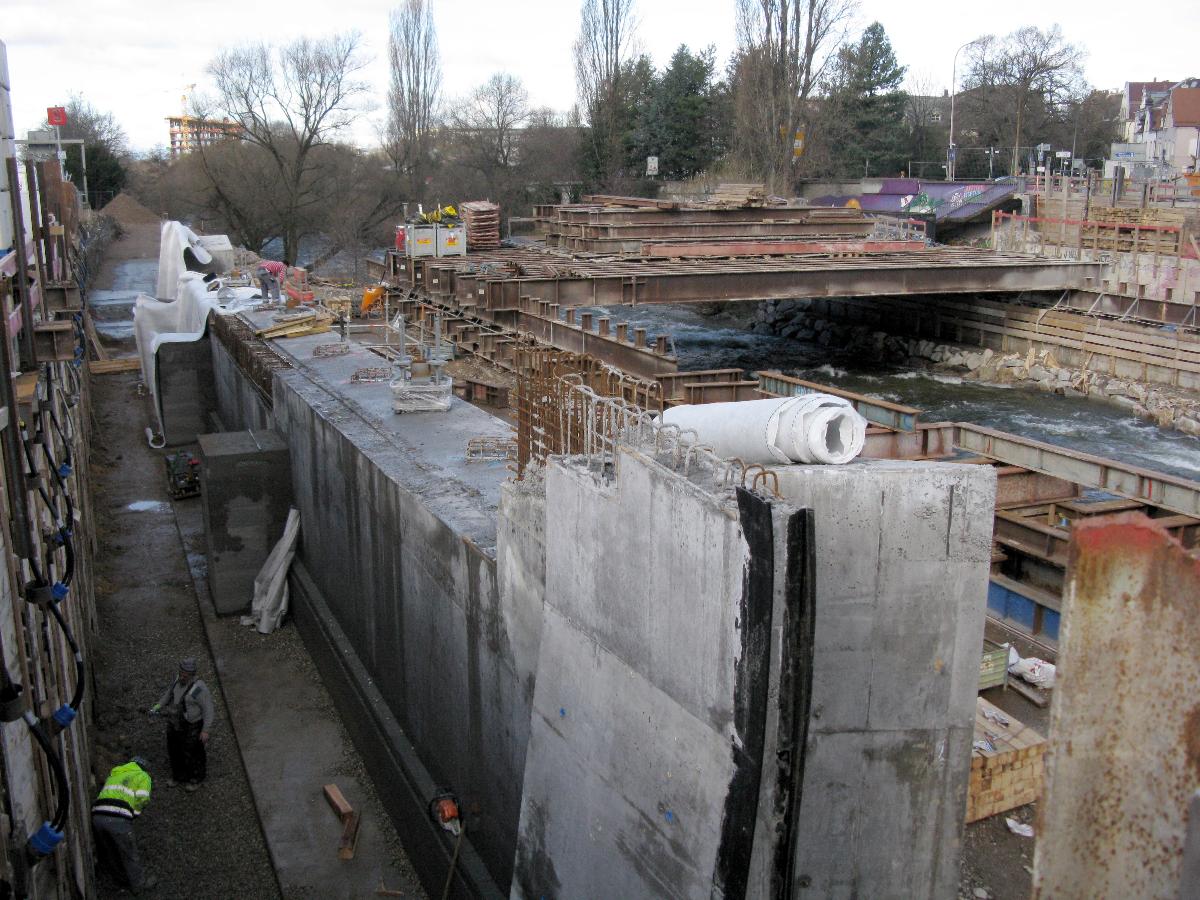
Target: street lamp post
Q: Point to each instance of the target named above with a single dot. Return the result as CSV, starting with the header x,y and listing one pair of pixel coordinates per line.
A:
x,y
950,151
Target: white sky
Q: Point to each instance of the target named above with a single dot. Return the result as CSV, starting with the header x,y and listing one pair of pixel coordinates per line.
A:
x,y
134,58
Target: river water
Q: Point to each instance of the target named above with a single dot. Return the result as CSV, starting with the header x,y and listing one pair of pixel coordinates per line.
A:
x,y
719,342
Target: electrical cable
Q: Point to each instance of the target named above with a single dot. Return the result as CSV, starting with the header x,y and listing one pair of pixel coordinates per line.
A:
x,y
80,679
41,593
63,799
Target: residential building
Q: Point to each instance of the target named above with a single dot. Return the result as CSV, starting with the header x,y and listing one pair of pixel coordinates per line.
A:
x,y
189,133
1162,129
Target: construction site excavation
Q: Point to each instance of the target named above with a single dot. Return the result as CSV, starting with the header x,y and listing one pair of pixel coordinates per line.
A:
x,y
685,497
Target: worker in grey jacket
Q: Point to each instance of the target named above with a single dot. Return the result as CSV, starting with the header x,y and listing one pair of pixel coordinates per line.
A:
x,y
188,707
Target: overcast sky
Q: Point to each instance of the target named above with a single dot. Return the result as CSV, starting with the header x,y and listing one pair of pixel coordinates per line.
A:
x,y
135,58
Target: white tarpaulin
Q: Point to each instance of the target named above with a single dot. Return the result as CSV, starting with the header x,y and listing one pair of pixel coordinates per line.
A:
x,y
156,322
176,241
270,602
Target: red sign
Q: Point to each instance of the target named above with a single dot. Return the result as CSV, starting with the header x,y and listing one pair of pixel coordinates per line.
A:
x,y
56,115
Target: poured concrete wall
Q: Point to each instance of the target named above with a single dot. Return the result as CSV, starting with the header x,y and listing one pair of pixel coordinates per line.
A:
x,y
645,759
634,686
185,390
902,556
238,403
246,488
415,597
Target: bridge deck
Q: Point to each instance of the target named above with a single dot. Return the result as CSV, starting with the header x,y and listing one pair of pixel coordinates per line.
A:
x,y
518,279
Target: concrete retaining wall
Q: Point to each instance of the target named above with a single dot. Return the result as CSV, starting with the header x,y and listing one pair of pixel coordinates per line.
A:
x,y
632,682
646,753
185,390
418,603
902,555
238,403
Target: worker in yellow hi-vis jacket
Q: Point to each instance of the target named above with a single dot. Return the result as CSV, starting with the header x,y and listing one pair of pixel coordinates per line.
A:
x,y
122,799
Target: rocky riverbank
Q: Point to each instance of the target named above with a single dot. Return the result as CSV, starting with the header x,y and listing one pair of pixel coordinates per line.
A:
x,y
1166,407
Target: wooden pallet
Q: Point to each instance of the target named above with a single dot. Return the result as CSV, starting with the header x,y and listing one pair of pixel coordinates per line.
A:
x,y
1011,775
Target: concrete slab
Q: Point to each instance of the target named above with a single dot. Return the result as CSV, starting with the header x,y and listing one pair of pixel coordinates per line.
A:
x,y
292,743
465,495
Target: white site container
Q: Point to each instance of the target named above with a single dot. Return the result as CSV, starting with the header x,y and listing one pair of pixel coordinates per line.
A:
x,y
814,428
422,240
452,240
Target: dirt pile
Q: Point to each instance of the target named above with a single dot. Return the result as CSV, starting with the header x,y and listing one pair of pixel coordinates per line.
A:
x,y
128,211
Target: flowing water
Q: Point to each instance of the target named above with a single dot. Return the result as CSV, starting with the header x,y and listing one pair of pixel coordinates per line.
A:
x,y
718,342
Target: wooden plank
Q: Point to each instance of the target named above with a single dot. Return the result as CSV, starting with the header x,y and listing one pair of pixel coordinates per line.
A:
x,y
1031,694
349,836
338,802
113,366
89,328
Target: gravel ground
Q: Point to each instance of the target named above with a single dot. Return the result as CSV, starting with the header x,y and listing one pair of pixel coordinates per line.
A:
x,y
206,844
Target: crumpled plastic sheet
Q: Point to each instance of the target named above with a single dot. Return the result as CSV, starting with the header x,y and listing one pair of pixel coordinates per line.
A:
x,y
270,603
175,241
156,322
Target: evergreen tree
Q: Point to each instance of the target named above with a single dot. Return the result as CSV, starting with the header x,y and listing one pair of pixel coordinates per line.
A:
x,y
684,123
863,119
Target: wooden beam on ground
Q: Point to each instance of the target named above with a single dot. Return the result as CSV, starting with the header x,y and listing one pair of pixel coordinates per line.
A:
x,y
89,328
349,836
338,802
113,366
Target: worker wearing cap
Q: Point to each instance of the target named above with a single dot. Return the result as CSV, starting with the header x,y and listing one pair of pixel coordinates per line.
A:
x,y
188,706
122,799
270,274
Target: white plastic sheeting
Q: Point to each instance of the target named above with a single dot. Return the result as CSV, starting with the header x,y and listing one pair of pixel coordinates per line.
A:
x,y
156,322
814,428
175,242
270,602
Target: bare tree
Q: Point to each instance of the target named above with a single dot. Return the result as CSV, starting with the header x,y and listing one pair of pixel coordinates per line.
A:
x,y
603,50
416,80
784,47
1028,68
290,101
487,132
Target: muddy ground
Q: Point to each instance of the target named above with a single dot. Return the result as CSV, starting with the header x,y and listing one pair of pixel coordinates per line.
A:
x,y
203,844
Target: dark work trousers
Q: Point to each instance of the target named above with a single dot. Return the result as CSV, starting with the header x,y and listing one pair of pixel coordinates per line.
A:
x,y
189,760
117,849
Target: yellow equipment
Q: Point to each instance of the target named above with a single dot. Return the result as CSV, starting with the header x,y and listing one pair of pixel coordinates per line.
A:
x,y
370,297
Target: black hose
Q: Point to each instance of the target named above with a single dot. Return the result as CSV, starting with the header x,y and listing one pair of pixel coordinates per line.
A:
x,y
33,473
80,679
63,794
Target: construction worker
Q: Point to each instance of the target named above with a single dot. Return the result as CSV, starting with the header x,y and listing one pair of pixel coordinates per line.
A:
x,y
188,708
270,274
121,800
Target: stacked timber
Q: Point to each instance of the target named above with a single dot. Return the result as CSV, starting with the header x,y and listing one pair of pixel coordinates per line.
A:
x,y
737,196
483,224
1007,768
655,228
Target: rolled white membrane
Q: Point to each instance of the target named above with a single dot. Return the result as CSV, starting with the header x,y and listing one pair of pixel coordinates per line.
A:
x,y
813,428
